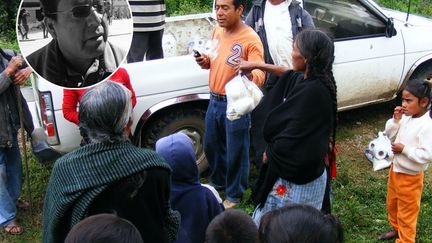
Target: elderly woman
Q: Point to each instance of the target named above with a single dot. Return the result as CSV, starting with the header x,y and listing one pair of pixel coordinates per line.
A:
x,y
300,125
110,175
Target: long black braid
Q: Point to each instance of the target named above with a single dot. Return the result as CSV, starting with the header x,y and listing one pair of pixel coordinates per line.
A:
x,y
318,49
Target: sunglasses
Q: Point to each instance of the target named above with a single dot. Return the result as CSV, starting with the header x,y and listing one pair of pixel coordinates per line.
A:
x,y
82,11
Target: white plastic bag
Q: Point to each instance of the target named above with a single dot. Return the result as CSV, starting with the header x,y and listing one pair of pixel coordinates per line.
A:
x,y
379,152
242,97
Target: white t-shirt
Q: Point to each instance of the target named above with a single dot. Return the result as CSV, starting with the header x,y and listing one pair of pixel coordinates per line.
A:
x,y
277,23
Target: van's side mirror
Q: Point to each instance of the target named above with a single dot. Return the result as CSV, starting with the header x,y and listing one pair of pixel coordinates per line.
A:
x,y
390,30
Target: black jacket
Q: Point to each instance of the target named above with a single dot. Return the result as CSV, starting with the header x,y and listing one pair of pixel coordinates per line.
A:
x,y
297,131
9,112
49,62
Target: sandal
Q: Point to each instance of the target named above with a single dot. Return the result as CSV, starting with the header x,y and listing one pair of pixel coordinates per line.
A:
x,y
13,228
389,235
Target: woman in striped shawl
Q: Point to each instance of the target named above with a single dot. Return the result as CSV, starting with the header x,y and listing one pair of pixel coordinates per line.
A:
x,y
110,175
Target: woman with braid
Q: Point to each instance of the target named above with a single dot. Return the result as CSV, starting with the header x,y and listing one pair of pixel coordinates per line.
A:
x,y
299,127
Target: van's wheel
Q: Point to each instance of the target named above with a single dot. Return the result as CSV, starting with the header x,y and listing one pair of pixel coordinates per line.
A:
x,y
190,122
424,72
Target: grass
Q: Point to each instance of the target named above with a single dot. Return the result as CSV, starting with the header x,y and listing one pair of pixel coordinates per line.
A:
x,y
358,192
421,7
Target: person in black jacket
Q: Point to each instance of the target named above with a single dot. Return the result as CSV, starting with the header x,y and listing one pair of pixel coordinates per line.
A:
x,y
11,77
13,73
299,126
277,22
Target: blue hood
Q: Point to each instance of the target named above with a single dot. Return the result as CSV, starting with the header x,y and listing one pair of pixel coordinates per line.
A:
x,y
196,204
177,149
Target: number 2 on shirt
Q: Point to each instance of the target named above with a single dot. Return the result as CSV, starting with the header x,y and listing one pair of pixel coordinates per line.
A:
x,y
234,58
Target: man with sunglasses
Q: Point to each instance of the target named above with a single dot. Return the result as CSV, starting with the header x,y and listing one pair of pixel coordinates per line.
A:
x,y
79,54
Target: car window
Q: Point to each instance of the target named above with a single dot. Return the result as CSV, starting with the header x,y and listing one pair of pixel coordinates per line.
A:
x,y
344,18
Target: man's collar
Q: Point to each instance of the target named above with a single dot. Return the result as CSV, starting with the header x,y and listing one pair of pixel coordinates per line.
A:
x,y
100,68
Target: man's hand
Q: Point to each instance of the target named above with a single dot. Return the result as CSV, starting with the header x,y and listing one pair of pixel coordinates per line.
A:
x,y
14,64
21,76
397,113
397,148
203,61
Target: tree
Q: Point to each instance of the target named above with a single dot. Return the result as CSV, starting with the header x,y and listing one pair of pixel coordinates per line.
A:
x,y
8,13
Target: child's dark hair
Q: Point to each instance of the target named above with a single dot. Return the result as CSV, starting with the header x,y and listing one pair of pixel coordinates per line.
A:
x,y
232,226
420,89
318,49
299,223
104,228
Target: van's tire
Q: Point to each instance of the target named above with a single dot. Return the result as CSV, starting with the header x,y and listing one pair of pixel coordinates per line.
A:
x,y
189,121
423,72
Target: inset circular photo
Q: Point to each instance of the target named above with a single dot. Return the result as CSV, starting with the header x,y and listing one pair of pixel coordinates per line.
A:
x,y
74,43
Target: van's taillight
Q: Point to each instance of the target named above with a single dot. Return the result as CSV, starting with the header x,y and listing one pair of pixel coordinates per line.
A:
x,y
48,118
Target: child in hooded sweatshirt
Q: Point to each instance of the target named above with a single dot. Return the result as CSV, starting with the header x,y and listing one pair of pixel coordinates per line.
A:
x,y
198,204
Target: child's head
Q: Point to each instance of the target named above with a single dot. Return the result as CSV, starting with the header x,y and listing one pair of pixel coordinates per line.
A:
x,y
104,228
299,223
232,226
416,98
178,151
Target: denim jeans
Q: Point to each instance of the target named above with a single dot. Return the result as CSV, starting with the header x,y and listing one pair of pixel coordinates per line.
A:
x,y
10,181
226,145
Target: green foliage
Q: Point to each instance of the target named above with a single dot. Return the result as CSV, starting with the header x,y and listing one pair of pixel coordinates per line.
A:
x,y
31,219
182,7
421,7
8,12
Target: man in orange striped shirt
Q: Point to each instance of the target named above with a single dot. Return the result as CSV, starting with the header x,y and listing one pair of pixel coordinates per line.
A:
x,y
226,143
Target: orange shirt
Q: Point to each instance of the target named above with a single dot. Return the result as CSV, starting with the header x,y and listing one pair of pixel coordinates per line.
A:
x,y
228,51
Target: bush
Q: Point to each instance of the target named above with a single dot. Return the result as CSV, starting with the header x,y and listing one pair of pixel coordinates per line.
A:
x,y
422,7
182,7
8,11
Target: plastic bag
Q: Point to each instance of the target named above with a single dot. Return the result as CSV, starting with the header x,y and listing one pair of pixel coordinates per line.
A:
x,y
379,152
242,97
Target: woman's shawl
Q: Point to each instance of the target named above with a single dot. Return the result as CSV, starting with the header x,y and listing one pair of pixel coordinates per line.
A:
x,y
78,177
297,131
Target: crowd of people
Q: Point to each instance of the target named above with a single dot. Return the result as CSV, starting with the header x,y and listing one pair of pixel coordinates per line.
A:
x,y
109,189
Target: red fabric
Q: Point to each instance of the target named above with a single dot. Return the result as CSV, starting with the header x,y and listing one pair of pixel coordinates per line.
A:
x,y
71,97
121,76
332,163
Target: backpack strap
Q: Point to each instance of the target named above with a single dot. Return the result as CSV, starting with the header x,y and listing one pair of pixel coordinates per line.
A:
x,y
299,18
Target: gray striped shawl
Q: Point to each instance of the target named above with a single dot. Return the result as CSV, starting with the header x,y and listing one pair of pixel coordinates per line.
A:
x,y
78,177
148,15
